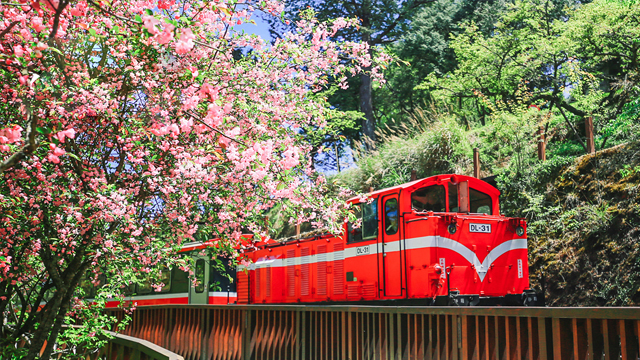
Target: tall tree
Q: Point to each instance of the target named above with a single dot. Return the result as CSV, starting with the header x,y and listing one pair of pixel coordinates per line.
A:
x,y
128,126
381,23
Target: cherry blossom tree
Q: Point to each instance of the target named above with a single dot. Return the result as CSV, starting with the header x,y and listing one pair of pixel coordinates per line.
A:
x,y
128,126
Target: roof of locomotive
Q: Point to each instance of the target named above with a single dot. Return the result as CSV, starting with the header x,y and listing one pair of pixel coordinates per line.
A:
x,y
436,180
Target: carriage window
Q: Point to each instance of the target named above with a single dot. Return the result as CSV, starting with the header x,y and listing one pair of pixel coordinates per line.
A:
x,y
130,289
145,286
368,230
199,273
430,198
87,286
453,198
221,276
165,278
179,281
391,216
480,202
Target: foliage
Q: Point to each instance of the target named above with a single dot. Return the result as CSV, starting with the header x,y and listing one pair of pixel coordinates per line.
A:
x,y
126,128
380,22
434,144
583,230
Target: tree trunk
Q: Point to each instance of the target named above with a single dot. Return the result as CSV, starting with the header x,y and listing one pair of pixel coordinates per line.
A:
x,y
366,97
366,106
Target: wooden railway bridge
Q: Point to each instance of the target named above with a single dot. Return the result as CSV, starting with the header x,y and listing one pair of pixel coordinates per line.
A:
x,y
376,332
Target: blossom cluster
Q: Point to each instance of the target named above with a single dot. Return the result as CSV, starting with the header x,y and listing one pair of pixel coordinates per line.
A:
x,y
131,127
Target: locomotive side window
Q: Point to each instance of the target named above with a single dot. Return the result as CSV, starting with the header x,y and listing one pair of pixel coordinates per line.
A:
x,y
391,216
355,234
480,202
453,198
370,220
369,228
429,198
199,273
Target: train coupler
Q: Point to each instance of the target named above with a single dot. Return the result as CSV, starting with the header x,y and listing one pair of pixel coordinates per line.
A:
x,y
456,299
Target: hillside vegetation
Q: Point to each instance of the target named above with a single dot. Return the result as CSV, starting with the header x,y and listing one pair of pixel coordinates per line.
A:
x,y
584,244
489,75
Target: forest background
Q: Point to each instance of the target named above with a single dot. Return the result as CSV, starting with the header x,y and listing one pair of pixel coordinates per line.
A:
x,y
489,74
127,129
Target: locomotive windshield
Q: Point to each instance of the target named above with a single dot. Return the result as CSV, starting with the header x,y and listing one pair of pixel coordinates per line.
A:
x,y
429,198
369,227
480,202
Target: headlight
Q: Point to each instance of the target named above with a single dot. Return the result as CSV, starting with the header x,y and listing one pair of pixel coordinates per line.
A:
x,y
452,228
519,230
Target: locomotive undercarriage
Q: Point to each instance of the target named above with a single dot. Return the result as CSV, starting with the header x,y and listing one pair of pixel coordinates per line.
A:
x,y
528,298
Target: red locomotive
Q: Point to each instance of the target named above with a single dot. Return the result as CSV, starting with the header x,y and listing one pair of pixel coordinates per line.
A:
x,y
434,241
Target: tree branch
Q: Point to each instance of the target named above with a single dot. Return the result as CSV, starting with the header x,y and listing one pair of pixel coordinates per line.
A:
x,y
573,128
6,31
56,18
26,150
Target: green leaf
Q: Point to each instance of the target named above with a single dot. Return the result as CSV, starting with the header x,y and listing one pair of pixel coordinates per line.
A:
x,y
138,18
93,32
73,156
149,12
43,130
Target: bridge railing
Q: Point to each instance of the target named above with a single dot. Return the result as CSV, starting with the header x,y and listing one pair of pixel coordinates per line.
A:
x,y
367,332
123,347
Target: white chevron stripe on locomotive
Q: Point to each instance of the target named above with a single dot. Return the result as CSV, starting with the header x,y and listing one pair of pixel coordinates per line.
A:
x,y
423,242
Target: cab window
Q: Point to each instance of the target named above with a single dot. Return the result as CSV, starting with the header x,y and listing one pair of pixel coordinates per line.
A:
x,y
480,202
453,198
369,228
391,216
429,198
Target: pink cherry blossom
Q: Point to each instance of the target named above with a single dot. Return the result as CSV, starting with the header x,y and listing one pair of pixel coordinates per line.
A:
x,y
167,34
185,43
151,24
11,134
156,123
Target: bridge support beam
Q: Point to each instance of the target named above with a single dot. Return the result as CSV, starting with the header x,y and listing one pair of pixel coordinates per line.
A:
x,y
352,332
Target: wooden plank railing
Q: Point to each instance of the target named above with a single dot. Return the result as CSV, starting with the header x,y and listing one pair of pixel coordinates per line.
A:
x,y
123,347
367,332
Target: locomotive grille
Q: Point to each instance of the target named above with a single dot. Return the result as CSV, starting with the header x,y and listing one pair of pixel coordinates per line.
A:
x,y
258,287
338,269
322,270
291,273
268,270
305,270
243,288
353,290
369,291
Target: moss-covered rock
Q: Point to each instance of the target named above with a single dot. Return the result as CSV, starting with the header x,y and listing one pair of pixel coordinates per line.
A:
x,y
585,246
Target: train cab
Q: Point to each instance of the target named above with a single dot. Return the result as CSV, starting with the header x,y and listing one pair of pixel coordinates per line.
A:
x,y
439,240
